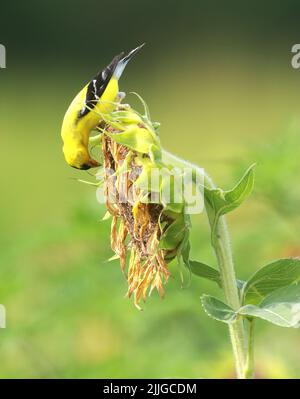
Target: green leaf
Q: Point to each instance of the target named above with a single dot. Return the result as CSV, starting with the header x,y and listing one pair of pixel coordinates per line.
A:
x,y
271,277
242,190
202,270
222,202
280,307
217,309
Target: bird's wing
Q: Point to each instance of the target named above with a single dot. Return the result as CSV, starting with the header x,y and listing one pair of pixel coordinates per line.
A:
x,y
97,85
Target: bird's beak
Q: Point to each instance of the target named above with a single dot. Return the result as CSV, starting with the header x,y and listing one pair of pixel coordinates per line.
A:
x,y
92,163
132,53
124,61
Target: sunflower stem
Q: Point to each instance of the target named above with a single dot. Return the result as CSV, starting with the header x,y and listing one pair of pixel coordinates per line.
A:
x,y
221,244
249,368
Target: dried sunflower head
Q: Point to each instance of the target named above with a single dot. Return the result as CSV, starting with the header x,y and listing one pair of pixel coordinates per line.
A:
x,y
148,230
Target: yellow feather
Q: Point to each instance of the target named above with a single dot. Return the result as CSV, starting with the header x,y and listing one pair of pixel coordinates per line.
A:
x,y
75,132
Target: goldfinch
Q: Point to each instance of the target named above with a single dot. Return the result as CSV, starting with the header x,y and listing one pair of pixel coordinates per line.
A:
x,y
98,97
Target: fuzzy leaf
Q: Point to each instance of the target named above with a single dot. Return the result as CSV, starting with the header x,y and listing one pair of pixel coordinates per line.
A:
x,y
280,307
242,190
278,274
217,309
202,270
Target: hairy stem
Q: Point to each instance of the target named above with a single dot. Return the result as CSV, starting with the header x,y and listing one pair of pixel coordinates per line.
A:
x,y
222,248
249,368
223,252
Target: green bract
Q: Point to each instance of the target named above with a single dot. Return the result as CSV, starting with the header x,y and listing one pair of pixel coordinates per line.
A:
x,y
136,138
219,202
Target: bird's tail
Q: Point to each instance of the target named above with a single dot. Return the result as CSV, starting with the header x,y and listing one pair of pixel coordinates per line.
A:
x,y
124,61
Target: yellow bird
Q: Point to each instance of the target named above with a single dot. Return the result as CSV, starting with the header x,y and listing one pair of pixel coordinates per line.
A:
x,y
84,113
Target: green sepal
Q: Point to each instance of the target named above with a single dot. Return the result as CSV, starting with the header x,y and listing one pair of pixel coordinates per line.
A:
x,y
136,138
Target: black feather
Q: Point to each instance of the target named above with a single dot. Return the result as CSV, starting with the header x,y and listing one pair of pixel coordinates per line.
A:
x,y
98,84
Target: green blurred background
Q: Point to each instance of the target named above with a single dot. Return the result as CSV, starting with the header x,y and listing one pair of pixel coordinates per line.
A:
x,y
217,75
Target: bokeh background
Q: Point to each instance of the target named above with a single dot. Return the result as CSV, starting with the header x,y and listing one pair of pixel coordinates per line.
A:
x,y
218,77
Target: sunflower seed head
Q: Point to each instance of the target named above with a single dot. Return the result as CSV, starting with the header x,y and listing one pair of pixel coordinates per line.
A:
x,y
136,222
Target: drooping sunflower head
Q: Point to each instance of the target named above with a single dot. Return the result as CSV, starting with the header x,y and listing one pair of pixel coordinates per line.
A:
x,y
147,231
